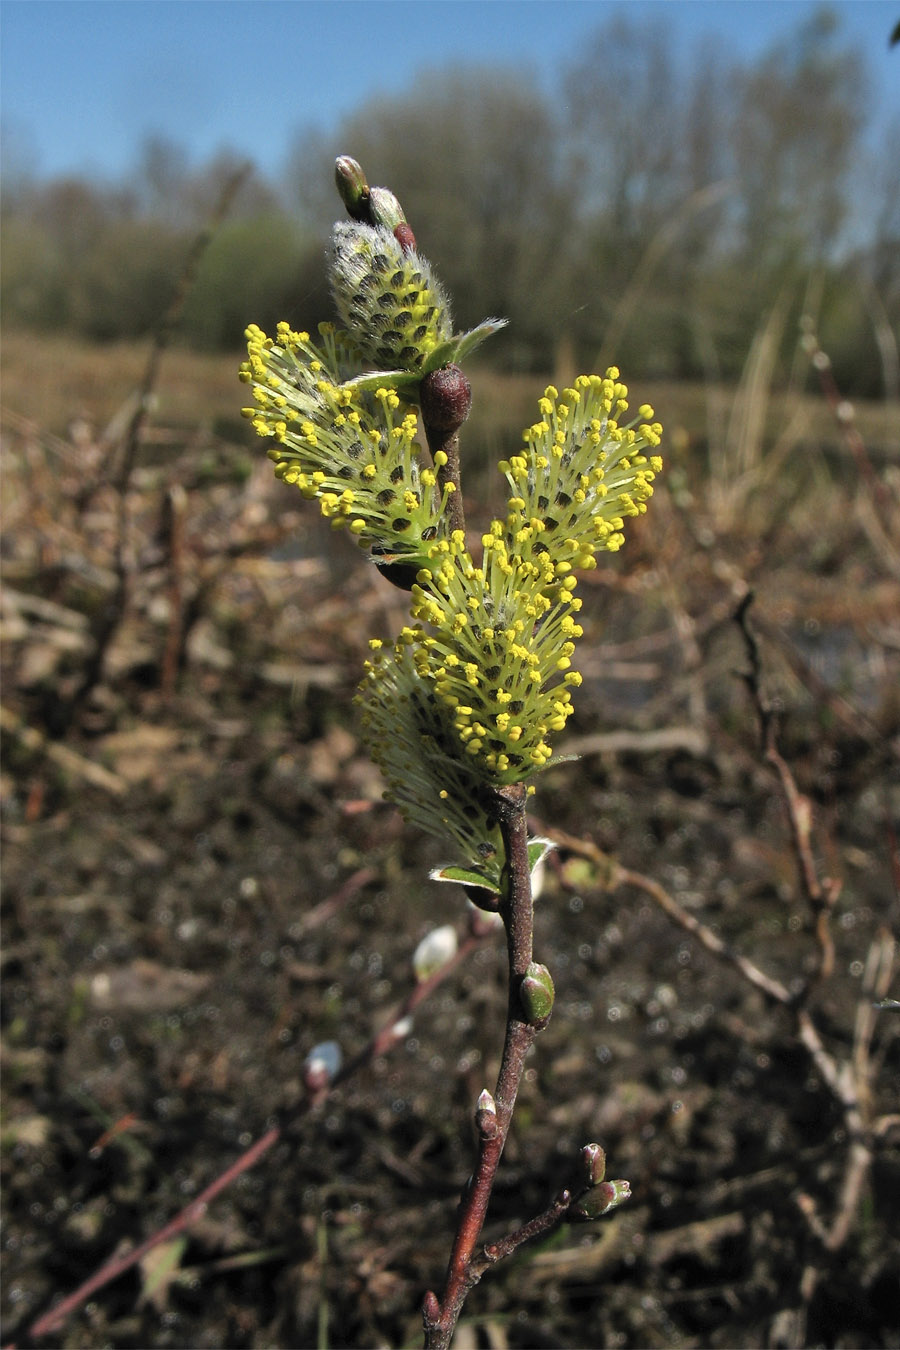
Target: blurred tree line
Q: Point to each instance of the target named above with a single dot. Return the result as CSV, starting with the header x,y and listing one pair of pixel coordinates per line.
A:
x,y
641,209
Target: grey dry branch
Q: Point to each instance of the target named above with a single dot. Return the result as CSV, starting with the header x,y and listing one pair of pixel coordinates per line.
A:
x,y
848,1078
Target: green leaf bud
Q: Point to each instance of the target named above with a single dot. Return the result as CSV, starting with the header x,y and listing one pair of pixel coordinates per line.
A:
x,y
599,1200
384,209
536,994
371,206
352,185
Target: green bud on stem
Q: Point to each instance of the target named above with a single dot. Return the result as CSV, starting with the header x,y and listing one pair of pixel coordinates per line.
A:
x,y
536,994
599,1200
352,185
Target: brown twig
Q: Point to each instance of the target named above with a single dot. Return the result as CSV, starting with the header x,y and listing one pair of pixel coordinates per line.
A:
x,y
174,513
118,1265
848,1081
820,894
456,515
542,1223
842,411
445,396
463,1273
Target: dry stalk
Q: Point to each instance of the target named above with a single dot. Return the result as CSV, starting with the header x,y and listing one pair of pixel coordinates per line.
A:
x,y
849,1080
113,612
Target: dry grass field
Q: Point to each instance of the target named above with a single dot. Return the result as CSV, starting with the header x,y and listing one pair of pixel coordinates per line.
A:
x,y
201,882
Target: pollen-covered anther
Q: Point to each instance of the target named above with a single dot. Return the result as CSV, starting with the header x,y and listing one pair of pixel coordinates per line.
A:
x,y
328,434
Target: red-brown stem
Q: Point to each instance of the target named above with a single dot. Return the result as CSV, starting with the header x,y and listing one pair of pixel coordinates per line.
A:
x,y
117,1266
449,473
440,1317
536,1227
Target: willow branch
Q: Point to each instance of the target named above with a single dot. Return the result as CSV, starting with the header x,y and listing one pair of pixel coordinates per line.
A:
x,y
517,910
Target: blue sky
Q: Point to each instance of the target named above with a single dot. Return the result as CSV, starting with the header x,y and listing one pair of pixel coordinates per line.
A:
x,y
84,82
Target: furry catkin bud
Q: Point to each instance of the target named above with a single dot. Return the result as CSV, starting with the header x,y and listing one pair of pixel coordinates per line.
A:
x,y
321,1065
388,300
446,399
434,951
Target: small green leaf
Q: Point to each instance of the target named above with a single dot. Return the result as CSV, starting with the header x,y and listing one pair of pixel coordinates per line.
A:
x,y
461,345
467,342
466,876
538,849
383,379
441,355
158,1269
599,1200
536,993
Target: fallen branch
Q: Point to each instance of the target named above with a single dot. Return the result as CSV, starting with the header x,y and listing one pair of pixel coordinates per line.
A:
x,y
394,1029
68,760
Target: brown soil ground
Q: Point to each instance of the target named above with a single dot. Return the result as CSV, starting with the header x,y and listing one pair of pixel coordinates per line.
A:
x,y
171,831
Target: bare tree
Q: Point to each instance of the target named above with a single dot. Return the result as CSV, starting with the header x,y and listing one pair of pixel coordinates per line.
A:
x,y
794,131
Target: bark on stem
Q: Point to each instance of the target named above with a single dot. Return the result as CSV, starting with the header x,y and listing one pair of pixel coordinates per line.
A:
x,y
440,1316
445,396
439,439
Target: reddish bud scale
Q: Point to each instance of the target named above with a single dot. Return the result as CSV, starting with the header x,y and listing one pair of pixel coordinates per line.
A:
x,y
594,1160
484,900
487,1124
446,398
405,237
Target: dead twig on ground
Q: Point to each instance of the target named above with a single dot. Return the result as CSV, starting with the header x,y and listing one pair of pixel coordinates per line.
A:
x,y
394,1029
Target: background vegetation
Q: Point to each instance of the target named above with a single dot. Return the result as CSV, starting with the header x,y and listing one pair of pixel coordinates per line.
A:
x,y
639,207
